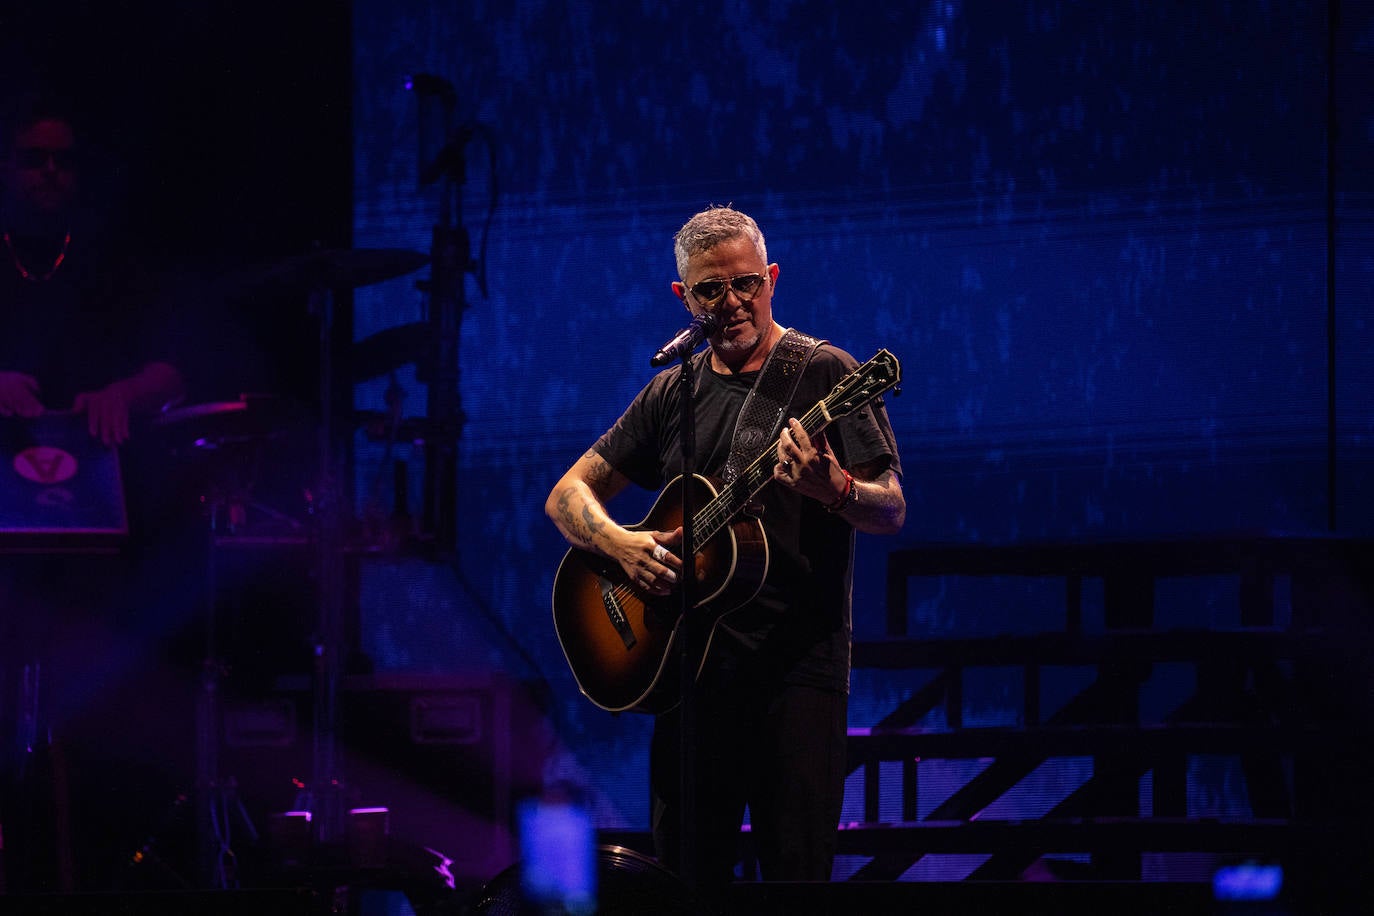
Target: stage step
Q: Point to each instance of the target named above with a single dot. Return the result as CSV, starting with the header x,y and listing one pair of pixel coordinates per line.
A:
x,y
871,745
1078,834
1235,645
879,898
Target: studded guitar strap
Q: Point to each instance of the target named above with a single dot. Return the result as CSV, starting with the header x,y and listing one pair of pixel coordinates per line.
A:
x,y
761,416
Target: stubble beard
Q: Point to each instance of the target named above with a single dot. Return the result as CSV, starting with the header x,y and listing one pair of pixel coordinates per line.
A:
x,y
741,344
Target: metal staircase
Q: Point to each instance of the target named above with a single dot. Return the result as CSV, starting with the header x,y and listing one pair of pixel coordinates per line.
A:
x,y
1287,692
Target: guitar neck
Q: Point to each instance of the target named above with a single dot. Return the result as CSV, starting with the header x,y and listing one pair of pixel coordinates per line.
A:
x,y
734,496
853,391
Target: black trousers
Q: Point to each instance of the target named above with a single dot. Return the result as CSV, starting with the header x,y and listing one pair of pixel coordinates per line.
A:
x,y
780,751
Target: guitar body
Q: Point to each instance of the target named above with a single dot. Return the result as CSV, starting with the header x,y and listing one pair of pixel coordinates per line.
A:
x,y
621,643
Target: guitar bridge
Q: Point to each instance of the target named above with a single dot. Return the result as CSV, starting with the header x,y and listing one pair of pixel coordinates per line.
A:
x,y
617,615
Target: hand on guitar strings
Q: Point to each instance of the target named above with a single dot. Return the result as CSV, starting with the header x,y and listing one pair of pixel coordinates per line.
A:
x,y
806,464
655,568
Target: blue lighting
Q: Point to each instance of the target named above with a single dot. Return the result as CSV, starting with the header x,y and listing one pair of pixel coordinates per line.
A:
x,y
1250,881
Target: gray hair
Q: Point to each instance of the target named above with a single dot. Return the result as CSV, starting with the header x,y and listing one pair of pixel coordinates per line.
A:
x,y
709,228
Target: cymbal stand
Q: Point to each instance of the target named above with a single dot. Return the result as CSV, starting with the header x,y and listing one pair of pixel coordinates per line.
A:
x,y
217,801
324,798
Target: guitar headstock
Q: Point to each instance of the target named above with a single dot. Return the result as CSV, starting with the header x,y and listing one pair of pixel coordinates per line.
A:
x,y
864,384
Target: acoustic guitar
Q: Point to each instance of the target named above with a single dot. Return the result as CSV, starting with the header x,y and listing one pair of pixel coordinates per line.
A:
x,y
618,639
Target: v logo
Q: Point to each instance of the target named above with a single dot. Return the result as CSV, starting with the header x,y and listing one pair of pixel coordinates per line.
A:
x,y
45,465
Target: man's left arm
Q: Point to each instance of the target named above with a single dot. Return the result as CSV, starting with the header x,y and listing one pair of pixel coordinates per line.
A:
x,y
876,505
868,495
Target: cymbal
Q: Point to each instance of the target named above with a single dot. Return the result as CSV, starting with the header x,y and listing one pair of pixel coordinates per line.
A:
x,y
332,268
210,426
388,349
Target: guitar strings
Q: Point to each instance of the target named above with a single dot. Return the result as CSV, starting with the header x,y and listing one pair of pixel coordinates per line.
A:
x,y
723,508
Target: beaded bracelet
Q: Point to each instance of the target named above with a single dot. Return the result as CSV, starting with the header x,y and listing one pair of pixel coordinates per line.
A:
x,y
848,497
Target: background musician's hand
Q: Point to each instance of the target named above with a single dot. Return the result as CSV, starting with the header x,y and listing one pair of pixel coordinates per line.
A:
x,y
19,395
107,412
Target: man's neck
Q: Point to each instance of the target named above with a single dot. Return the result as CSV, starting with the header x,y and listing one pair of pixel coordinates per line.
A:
x,y
751,360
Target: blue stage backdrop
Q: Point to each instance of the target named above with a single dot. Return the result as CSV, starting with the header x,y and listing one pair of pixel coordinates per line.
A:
x,y
1097,236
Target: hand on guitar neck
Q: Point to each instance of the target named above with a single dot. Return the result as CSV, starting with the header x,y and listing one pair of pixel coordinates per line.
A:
x,y
806,464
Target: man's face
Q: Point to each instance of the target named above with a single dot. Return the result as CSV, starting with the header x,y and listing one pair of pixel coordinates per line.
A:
x,y
40,172
744,323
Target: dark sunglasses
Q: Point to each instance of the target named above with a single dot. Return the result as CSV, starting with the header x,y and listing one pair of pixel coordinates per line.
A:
x,y
746,287
36,157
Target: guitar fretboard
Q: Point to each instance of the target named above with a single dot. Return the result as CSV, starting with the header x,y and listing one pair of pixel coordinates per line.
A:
x,y
735,495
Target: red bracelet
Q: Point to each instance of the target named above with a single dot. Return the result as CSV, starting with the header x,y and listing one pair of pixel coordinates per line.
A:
x,y
844,498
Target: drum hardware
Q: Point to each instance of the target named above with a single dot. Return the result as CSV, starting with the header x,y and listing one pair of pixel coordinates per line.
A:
x,y
333,269
229,443
232,443
326,273
390,349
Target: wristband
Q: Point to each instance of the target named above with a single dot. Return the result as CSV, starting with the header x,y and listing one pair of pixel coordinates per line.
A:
x,y
848,497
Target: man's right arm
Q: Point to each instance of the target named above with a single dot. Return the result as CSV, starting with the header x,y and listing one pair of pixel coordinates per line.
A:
x,y
577,504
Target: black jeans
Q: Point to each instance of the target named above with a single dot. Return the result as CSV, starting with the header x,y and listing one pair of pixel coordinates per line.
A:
x,y
780,751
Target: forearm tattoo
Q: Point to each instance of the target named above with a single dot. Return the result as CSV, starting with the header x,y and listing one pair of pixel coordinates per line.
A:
x,y
578,511
599,474
880,502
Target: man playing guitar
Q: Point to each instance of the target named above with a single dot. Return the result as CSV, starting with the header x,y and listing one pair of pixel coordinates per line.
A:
x,y
772,692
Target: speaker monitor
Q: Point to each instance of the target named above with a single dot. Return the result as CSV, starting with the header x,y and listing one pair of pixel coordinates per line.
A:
x,y
435,751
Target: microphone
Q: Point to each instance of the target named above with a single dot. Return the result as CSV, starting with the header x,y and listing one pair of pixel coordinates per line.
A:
x,y
687,340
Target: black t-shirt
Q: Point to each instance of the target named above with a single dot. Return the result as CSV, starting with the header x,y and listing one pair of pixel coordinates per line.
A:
x,y
80,329
798,628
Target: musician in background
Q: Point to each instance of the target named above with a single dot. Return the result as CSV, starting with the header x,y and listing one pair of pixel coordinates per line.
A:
x,y
69,337
78,333
772,699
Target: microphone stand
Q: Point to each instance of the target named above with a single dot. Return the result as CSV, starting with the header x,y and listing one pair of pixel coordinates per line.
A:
x,y
688,634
